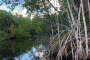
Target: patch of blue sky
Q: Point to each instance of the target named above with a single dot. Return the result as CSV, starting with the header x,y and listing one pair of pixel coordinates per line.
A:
x,y
9,7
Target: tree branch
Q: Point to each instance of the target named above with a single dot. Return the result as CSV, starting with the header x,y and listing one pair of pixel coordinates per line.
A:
x,y
57,10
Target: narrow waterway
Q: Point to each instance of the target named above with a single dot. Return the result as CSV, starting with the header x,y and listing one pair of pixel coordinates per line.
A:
x,y
21,49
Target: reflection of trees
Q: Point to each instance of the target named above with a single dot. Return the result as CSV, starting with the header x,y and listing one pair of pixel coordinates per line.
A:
x,y
41,48
10,49
4,51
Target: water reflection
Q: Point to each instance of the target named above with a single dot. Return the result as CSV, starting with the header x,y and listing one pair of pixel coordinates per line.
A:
x,y
20,49
30,55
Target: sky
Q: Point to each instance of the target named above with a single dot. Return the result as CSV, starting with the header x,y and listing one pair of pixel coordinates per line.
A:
x,y
2,7
17,10
22,12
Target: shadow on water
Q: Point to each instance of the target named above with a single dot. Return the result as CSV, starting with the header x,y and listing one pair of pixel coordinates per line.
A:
x,y
20,49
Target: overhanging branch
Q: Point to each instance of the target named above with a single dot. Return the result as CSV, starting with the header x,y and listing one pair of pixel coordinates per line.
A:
x,y
57,10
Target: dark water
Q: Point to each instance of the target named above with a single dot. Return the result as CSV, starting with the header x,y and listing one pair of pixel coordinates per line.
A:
x,y
21,49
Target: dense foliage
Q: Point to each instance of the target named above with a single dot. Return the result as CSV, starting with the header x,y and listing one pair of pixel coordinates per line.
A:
x,y
19,27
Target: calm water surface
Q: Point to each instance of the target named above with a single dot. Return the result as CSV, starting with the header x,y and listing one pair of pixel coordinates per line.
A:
x,y
21,49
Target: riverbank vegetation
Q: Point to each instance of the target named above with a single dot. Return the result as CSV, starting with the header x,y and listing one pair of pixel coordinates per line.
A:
x,y
13,26
19,34
68,27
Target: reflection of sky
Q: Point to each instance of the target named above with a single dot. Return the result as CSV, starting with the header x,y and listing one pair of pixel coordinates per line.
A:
x,y
30,55
25,56
34,50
